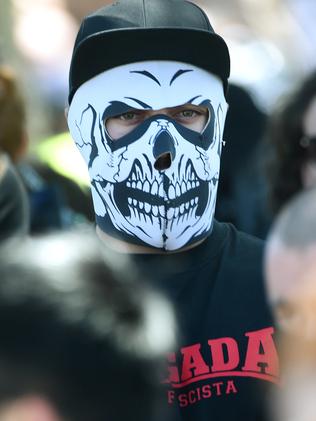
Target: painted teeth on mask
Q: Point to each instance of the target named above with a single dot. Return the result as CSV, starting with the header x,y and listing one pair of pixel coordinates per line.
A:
x,y
145,212
132,211
171,193
184,211
183,187
170,213
189,182
179,190
139,215
155,188
146,186
146,208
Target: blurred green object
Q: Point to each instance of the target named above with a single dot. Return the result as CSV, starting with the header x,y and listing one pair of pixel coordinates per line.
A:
x,y
60,154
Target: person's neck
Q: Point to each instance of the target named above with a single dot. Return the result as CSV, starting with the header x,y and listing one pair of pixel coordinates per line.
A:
x,y
124,247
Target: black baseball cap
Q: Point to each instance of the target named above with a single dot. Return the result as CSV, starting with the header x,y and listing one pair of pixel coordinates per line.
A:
x,y
129,31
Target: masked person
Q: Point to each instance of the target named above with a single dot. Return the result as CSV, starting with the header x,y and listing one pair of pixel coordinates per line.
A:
x,y
147,108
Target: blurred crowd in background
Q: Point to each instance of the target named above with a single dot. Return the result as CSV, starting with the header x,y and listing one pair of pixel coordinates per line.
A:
x,y
272,50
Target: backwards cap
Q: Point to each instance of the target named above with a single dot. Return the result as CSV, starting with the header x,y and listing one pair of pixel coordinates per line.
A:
x,y
137,30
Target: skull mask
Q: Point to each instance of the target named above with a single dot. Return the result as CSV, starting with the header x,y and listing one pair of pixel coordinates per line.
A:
x,y
135,200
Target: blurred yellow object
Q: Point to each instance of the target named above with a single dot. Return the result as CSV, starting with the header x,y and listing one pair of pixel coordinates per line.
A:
x,y
60,153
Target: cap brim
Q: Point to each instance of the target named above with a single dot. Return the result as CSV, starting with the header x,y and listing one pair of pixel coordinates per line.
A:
x,y
105,50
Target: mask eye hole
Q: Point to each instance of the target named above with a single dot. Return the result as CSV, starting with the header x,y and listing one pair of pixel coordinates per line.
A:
x,y
192,117
122,124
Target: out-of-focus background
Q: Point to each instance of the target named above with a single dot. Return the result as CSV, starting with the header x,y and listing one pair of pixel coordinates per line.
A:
x,y
272,47
272,44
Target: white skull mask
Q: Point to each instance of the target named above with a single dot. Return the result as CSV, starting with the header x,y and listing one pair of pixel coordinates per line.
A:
x,y
134,201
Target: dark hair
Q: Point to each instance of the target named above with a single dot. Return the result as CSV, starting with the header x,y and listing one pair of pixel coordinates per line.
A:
x,y
284,133
77,330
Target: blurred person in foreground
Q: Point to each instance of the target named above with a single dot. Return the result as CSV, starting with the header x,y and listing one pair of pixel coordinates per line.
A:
x,y
297,343
147,108
81,338
291,249
56,202
298,355
290,265
291,142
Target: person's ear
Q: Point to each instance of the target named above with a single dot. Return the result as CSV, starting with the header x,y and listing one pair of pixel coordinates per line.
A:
x,y
28,408
66,111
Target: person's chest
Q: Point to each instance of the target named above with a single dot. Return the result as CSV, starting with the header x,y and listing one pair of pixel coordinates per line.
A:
x,y
226,356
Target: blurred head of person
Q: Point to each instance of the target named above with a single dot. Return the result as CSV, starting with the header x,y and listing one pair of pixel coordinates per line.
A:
x,y
297,345
81,339
291,134
290,253
13,137
290,266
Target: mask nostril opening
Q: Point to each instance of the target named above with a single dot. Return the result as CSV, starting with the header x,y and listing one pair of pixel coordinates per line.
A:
x,y
163,162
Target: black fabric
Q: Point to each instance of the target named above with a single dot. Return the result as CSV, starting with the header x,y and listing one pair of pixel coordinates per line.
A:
x,y
137,30
218,292
56,202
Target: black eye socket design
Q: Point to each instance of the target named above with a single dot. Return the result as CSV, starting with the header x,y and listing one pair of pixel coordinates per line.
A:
x,y
125,112
116,108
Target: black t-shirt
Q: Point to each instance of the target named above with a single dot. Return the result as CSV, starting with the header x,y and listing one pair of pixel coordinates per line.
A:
x,y
226,355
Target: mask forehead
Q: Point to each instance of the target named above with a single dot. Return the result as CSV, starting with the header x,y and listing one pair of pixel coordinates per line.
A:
x,y
151,85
